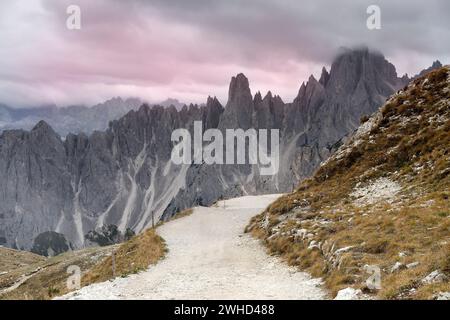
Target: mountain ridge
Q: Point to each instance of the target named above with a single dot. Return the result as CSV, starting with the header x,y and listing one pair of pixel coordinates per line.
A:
x,y
75,118
123,176
380,202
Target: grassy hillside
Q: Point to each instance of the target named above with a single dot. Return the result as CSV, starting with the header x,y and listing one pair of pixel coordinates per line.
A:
x,y
46,278
36,277
133,256
383,199
13,259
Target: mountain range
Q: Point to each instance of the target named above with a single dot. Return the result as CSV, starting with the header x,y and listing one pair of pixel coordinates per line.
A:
x,y
74,119
65,120
123,176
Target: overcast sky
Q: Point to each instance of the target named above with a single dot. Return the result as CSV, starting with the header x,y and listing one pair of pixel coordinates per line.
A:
x,y
189,49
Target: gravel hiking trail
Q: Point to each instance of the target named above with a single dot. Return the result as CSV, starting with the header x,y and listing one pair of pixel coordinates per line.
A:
x,y
210,257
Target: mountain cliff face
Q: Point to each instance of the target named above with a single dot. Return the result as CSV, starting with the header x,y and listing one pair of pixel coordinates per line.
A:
x,y
123,176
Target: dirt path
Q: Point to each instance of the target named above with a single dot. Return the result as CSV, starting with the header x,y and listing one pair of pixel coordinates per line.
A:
x,y
210,258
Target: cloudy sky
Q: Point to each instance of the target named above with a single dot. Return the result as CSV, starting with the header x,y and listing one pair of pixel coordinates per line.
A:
x,y
189,49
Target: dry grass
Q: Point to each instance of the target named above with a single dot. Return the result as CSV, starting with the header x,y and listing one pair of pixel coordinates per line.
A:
x,y
47,278
13,259
132,256
410,144
181,214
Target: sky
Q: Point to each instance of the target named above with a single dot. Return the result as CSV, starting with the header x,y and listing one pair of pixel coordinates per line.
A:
x,y
189,49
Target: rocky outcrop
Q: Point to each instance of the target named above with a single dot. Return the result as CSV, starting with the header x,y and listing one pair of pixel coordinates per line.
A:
x,y
50,244
123,176
436,65
108,235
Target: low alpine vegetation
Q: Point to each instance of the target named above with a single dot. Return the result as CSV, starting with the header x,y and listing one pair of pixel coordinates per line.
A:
x,y
29,276
132,256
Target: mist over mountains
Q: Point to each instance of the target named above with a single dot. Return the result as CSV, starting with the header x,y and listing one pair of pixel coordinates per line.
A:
x,y
74,119
123,175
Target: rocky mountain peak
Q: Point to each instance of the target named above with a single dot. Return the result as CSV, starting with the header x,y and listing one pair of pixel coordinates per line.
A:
x,y
239,88
311,79
301,91
324,77
210,100
213,102
43,129
143,108
258,97
268,96
172,102
354,71
239,109
436,64
42,126
214,110
312,83
278,99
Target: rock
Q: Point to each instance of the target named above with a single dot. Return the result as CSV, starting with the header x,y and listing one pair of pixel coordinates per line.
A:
x,y
349,294
273,236
108,235
412,265
324,77
443,296
380,189
342,250
434,277
313,245
436,65
50,244
397,267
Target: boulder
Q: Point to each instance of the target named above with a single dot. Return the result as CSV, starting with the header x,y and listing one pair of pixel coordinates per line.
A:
x,y
349,294
434,277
